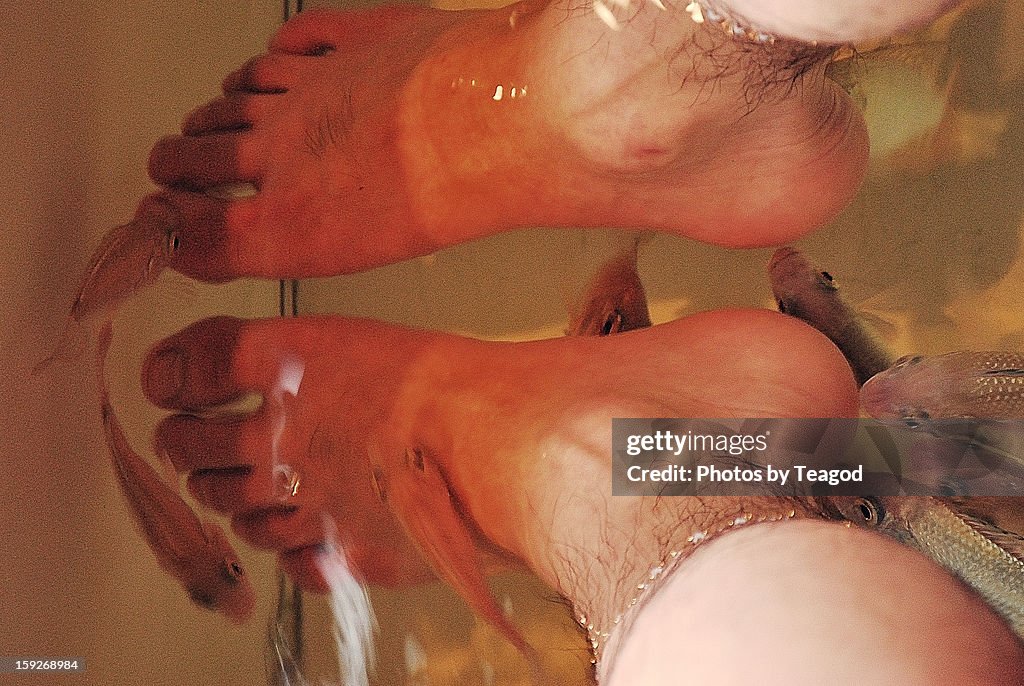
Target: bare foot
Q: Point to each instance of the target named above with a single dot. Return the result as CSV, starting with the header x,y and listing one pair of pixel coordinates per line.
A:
x,y
376,136
521,430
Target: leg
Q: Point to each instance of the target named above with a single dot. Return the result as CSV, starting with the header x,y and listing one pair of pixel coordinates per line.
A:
x,y
522,431
814,603
454,125
838,21
534,416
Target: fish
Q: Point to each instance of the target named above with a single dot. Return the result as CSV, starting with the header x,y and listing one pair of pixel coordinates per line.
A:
x,y
953,533
614,301
905,92
803,291
130,257
196,553
414,487
962,384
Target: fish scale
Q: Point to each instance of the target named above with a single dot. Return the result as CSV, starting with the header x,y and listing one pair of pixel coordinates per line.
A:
x,y
986,557
957,544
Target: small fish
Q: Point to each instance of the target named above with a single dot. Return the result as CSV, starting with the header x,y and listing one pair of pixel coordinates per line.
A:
x,y
978,385
904,91
808,293
129,258
986,557
614,302
417,492
197,554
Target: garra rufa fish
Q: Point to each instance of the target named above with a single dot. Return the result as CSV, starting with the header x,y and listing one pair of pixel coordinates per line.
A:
x,y
129,258
974,385
803,291
905,92
416,491
615,300
953,533
195,553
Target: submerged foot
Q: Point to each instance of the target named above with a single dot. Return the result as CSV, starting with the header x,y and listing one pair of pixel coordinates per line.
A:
x,y
376,136
520,431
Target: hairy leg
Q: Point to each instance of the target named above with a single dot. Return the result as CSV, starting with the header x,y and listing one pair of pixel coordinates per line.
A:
x,y
521,430
522,434
448,126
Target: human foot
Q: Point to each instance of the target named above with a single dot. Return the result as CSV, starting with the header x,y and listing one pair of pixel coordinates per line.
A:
x,y
520,431
449,126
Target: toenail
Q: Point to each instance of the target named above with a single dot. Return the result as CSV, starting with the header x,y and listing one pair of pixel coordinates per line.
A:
x,y
164,375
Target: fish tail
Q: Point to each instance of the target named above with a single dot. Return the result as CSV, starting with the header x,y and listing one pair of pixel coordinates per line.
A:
x,y
538,675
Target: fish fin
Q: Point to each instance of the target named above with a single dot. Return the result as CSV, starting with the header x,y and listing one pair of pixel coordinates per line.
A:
x,y
418,494
70,346
170,475
103,339
882,327
614,299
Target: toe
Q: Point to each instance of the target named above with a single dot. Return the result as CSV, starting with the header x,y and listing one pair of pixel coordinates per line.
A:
x,y
209,363
195,444
206,161
279,527
232,491
233,112
315,32
219,239
273,72
302,565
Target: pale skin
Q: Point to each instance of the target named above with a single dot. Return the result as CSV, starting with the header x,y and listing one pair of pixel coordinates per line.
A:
x,y
370,150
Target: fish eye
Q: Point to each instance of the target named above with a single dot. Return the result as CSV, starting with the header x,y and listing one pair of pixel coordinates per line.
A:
x,y
869,511
613,324
914,418
173,241
827,282
234,570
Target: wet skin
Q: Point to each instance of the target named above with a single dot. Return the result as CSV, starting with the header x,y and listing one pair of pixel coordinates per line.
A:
x,y
520,430
372,151
364,152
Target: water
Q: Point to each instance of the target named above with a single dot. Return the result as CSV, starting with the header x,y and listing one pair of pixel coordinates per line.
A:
x,y
931,247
